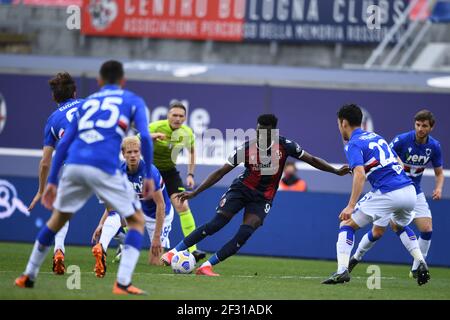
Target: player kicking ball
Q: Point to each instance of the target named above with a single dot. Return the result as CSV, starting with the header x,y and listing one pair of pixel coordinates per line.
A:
x,y
253,191
415,149
392,198
158,211
90,148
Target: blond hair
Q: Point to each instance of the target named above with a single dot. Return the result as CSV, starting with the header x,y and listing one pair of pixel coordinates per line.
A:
x,y
132,140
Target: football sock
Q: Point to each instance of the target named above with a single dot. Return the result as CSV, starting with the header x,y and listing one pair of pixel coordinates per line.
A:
x,y
424,245
344,247
233,246
61,237
213,260
40,250
188,225
110,228
209,228
130,256
410,242
366,243
121,235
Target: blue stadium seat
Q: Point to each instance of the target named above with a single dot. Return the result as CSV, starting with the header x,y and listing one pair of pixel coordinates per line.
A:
x,y
441,12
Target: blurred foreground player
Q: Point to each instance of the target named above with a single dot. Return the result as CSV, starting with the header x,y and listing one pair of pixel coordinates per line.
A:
x,y
254,190
90,148
63,89
392,198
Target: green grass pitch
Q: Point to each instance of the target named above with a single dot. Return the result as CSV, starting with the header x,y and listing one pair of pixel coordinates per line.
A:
x,y
242,277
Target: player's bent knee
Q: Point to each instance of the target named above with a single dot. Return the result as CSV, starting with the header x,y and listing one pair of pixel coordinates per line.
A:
x,y
136,220
378,232
349,223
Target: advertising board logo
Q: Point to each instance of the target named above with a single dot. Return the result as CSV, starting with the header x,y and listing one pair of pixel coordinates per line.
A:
x,y
103,13
2,113
9,201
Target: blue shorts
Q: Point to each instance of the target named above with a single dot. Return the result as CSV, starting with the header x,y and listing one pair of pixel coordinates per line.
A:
x,y
238,197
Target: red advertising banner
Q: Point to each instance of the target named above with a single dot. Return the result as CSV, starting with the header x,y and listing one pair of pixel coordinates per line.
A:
x,y
181,19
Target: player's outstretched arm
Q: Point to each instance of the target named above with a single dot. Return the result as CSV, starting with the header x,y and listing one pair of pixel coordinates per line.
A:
x,y
156,247
44,168
323,165
98,231
141,123
359,178
61,151
439,177
212,179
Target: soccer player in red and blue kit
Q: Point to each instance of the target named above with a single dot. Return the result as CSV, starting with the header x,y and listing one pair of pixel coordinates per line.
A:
x,y
254,190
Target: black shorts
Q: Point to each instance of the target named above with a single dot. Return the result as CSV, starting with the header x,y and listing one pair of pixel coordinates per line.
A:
x,y
173,181
238,197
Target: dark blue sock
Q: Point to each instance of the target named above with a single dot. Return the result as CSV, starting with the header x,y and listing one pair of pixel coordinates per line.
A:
x,y
46,236
233,246
214,259
426,235
209,228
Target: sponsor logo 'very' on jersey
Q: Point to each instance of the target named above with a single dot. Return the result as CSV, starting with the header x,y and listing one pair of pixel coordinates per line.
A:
x,y
416,156
382,169
136,179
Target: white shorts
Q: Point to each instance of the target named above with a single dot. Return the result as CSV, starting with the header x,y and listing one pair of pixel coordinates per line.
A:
x,y
79,182
379,208
150,224
422,210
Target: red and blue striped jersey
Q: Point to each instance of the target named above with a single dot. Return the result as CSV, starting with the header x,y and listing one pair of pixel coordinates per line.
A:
x,y
264,167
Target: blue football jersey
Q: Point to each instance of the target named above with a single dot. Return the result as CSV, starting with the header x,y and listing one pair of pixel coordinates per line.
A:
x,y
136,178
380,163
95,135
415,156
59,120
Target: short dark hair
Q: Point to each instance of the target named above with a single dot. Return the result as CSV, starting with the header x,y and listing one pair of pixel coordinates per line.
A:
x,y
269,120
424,115
352,113
290,163
112,71
62,86
177,104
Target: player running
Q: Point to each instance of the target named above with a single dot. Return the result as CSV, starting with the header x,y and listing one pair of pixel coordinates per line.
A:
x,y
158,211
393,196
416,149
170,137
254,190
63,92
90,148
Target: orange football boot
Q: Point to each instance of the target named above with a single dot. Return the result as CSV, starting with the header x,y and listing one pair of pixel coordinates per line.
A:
x,y
24,281
166,258
58,262
206,271
100,260
125,290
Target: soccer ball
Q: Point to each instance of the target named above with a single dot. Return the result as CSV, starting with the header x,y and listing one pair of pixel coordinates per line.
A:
x,y
183,262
